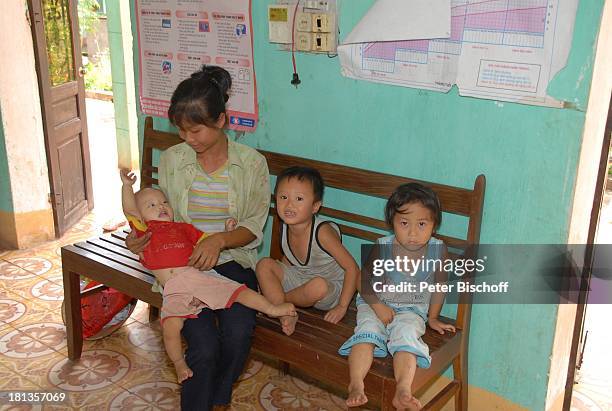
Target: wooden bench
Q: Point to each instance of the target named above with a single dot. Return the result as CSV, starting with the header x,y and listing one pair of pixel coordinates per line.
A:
x,y
313,347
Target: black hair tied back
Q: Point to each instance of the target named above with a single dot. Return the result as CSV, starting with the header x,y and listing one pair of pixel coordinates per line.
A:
x,y
201,98
216,76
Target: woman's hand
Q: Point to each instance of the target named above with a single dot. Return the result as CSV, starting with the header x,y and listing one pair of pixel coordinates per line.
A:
x,y
137,245
383,312
206,253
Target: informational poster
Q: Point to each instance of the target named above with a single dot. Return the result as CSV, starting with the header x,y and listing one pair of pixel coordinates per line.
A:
x,y
176,37
504,50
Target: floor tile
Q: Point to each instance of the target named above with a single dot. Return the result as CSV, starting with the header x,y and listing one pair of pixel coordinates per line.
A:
x,y
90,400
33,340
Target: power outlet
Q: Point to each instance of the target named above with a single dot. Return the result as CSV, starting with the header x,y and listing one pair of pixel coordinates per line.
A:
x,y
321,42
321,23
303,22
303,41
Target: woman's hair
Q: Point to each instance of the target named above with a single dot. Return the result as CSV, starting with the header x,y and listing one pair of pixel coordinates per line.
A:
x,y
201,98
413,193
303,174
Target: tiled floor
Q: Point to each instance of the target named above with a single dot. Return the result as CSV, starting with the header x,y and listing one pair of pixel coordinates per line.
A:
x,y
126,370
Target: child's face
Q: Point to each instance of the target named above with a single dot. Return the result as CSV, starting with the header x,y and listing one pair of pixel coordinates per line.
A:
x,y
413,225
199,136
295,201
153,205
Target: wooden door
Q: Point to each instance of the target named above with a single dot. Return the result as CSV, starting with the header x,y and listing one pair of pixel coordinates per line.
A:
x,y
62,91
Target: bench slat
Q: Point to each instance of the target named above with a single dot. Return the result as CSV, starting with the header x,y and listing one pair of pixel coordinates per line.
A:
x,y
105,249
452,199
98,267
113,244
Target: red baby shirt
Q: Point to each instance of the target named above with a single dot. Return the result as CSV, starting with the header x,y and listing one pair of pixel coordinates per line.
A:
x,y
171,243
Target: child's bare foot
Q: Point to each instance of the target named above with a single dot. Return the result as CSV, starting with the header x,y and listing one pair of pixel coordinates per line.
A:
x,y
288,324
182,370
356,395
282,310
403,400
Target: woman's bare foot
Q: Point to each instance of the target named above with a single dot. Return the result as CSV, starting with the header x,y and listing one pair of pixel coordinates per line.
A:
x,y
403,400
356,395
281,310
182,370
288,324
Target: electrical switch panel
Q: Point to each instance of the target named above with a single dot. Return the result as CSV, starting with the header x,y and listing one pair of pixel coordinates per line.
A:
x,y
314,26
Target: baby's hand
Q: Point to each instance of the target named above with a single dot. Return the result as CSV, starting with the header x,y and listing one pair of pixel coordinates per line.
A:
x,y
383,312
230,224
440,326
127,177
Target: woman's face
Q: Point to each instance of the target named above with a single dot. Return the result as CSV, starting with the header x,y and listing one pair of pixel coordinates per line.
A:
x,y
201,137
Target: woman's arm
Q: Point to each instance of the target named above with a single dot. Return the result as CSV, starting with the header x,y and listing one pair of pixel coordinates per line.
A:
x,y
206,253
256,200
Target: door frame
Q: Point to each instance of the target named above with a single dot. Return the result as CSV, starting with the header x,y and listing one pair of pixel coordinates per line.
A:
x,y
35,14
578,325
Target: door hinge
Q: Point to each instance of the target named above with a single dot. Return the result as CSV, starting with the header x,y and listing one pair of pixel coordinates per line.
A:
x,y
57,200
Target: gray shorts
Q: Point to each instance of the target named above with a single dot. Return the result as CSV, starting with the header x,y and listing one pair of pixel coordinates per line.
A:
x,y
294,278
402,334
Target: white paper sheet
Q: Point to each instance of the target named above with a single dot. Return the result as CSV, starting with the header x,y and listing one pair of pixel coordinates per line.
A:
x,y
506,50
389,20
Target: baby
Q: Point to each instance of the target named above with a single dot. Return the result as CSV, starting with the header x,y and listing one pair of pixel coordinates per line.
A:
x,y
186,289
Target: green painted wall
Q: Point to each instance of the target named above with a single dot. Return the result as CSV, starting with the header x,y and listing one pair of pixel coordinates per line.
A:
x,y
528,154
6,196
120,45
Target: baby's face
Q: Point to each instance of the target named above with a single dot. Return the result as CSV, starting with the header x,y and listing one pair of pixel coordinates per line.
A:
x,y
153,205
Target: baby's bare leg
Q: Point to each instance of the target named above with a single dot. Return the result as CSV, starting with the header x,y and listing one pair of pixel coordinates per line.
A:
x,y
404,367
171,329
360,361
256,301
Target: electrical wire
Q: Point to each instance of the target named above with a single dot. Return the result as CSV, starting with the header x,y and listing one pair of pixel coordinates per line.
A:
x,y
296,78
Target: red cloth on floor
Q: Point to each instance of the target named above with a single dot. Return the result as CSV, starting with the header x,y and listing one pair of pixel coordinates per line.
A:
x,y
99,308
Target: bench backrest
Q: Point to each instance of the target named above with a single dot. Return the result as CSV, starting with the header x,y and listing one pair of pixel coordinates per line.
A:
x,y
453,200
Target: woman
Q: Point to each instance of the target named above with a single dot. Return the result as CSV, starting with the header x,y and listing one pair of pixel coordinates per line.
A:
x,y
207,180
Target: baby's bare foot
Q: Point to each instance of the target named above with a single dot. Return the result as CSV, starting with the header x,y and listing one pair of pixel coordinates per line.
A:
x,y
288,324
403,400
182,370
282,310
356,395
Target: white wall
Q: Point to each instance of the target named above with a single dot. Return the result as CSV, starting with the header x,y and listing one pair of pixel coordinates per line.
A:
x,y
21,113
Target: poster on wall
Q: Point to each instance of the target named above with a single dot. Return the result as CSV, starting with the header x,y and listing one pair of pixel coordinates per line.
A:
x,y
506,50
176,37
